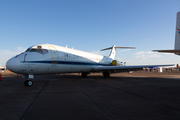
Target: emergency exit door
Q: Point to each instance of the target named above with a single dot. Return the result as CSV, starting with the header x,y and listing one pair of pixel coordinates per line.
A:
x,y
54,54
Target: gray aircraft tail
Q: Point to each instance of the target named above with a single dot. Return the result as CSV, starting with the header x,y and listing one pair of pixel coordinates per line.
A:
x,y
177,38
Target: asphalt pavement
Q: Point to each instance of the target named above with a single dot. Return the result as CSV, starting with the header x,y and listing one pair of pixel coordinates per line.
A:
x,y
123,96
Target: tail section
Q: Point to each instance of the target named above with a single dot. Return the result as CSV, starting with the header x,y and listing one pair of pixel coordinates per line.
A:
x,y
177,36
113,50
177,39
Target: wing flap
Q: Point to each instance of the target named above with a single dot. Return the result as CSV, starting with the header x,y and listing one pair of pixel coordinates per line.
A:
x,y
126,68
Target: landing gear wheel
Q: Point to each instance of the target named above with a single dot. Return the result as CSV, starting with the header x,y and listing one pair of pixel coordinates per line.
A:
x,y
106,74
84,74
25,82
28,83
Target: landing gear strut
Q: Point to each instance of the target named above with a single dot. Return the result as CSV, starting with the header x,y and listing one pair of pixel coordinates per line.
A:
x,y
28,82
106,74
84,74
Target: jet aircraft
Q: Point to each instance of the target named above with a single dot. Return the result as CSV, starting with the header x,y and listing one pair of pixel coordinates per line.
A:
x,y
2,68
177,39
53,59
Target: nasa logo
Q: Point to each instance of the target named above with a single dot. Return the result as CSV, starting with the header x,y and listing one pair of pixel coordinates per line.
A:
x,y
178,30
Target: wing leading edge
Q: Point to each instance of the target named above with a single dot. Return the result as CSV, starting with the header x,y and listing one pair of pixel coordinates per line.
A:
x,y
168,51
116,69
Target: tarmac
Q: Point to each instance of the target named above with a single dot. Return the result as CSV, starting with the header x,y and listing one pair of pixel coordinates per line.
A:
x,y
124,96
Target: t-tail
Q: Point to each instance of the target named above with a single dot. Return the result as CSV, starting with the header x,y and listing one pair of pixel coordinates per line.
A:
x,y
177,38
113,50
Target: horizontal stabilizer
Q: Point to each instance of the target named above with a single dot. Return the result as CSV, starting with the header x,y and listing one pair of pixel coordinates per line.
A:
x,y
113,50
119,47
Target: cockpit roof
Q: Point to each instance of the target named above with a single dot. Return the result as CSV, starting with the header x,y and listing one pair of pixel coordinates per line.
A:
x,y
41,48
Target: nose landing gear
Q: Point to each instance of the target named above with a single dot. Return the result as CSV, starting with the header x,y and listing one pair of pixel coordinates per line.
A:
x,y
28,82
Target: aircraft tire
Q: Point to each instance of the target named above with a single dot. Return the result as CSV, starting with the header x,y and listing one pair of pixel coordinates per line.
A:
x,y
84,74
25,82
106,74
28,83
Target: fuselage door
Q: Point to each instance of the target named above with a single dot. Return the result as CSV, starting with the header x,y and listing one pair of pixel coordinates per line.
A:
x,y
54,54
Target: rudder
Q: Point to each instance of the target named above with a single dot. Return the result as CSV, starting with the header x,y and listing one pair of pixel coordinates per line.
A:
x,y
177,36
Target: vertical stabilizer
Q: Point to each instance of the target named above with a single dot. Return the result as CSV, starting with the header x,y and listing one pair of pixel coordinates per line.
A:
x,y
177,36
113,52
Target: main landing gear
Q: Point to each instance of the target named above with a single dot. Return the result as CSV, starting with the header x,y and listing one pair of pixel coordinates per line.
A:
x,y
106,74
84,74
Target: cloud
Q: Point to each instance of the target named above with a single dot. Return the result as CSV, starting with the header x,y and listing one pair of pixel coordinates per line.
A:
x,y
148,39
7,54
125,50
146,55
21,49
98,52
119,59
4,53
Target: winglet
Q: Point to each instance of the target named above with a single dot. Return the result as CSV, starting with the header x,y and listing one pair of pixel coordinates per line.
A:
x,y
113,51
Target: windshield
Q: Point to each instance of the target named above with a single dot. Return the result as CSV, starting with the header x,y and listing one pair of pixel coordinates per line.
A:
x,y
38,49
28,49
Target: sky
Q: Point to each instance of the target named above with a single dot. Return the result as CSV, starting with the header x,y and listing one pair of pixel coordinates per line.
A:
x,y
91,25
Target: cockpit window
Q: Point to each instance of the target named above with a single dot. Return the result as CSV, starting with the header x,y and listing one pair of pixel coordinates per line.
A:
x,y
38,49
28,49
44,51
33,50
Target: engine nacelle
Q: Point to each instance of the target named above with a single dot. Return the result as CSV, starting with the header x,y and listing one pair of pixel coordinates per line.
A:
x,y
114,62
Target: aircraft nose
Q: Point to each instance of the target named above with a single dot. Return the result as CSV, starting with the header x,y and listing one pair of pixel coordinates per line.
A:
x,y
13,64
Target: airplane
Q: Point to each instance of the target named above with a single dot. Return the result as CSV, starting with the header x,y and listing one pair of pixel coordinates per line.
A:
x,y
54,59
176,50
2,68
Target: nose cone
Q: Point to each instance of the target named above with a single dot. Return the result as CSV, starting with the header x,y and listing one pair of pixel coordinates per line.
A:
x,y
13,64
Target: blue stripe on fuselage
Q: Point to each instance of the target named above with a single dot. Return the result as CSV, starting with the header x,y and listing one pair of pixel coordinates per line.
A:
x,y
65,62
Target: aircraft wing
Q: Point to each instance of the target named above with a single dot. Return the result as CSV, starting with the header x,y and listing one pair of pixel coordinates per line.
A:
x,y
116,69
168,51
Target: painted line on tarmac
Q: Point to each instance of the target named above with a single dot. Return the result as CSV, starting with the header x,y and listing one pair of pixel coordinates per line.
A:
x,y
34,100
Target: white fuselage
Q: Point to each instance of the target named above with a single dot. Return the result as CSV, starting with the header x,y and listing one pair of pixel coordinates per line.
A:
x,y
48,59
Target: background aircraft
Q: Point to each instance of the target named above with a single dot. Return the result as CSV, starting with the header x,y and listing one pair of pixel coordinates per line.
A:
x,y
177,39
2,68
53,59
